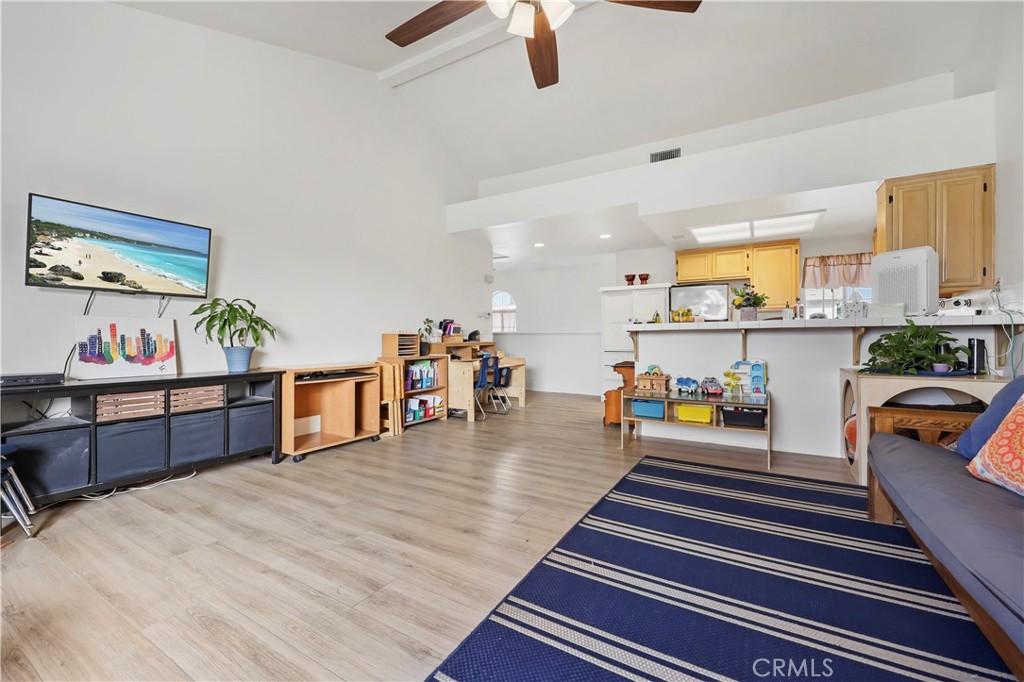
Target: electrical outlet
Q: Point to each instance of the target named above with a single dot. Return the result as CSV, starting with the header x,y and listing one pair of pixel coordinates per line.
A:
x,y
998,286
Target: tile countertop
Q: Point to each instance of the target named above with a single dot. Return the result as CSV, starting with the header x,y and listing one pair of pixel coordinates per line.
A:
x,y
931,320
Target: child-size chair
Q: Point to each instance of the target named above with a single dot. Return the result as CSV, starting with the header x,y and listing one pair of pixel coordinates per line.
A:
x,y
503,381
484,386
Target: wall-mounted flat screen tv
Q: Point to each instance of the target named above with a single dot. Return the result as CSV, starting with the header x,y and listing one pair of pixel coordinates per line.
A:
x,y
78,246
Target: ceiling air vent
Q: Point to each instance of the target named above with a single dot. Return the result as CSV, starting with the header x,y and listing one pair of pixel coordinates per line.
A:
x,y
666,154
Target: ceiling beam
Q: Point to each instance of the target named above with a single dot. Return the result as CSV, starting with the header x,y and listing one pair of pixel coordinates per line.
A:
x,y
446,53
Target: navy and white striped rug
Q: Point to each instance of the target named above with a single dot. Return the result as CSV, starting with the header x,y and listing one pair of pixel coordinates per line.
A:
x,y
689,571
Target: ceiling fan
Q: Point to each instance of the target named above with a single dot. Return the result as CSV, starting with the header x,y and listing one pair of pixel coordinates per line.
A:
x,y
535,20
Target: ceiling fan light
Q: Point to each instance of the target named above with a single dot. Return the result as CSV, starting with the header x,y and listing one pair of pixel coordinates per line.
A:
x,y
522,19
558,11
500,8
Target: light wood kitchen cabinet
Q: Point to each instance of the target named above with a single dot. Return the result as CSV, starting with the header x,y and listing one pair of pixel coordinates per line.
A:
x,y
730,263
953,212
772,267
775,272
961,231
709,265
693,266
914,214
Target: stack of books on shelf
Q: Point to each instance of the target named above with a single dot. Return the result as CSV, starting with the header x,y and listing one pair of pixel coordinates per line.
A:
x,y
423,407
421,374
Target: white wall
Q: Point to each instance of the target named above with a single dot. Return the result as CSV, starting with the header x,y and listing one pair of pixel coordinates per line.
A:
x,y
937,88
558,322
867,149
1009,123
659,263
325,197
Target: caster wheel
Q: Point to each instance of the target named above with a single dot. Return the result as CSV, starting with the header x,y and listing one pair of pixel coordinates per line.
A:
x,y
374,439
298,458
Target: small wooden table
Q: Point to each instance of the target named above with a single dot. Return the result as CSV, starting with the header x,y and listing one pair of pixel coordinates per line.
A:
x,y
461,375
631,424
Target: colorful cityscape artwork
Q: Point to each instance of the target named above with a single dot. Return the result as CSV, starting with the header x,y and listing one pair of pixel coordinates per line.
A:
x,y
123,347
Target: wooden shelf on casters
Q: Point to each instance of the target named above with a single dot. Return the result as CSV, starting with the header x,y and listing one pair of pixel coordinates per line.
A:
x,y
309,442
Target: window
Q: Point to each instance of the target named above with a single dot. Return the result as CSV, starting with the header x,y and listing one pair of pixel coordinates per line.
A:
x,y
827,300
503,312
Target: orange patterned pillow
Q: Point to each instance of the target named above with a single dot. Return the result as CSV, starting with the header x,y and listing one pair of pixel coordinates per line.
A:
x,y
1001,459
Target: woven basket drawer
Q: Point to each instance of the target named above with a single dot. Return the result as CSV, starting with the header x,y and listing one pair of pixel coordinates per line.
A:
x,y
117,406
196,398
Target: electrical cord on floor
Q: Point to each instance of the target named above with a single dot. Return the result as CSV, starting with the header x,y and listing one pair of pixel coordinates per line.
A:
x,y
115,491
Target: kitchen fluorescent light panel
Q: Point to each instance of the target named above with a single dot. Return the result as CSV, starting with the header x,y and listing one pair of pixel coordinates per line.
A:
x,y
711,234
798,223
787,225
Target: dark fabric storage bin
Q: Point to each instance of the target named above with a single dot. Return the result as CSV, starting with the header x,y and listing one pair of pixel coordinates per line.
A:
x,y
129,448
250,428
197,437
743,416
52,462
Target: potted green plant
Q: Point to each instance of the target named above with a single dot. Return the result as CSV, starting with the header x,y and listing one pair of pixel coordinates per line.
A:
x,y
747,300
426,334
913,349
234,324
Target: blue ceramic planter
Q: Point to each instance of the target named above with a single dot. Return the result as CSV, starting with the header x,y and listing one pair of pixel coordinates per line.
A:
x,y
238,358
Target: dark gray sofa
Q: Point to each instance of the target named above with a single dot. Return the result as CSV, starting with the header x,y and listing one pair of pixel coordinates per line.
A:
x,y
974,529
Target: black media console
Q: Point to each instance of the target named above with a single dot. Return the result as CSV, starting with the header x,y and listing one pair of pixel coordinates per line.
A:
x,y
128,431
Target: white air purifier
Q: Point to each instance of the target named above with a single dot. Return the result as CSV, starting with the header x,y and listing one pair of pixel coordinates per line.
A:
x,y
910,277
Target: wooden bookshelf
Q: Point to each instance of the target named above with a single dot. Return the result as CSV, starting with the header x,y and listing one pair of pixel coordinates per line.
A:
x,y
325,411
396,390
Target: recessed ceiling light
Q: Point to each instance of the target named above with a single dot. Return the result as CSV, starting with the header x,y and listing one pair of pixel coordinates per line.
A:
x,y
710,234
797,223
606,236
539,245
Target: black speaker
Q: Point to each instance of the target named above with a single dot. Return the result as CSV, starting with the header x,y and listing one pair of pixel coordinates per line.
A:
x,y
976,356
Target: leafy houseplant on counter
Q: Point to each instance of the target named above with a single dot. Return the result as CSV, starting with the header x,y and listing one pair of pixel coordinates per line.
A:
x,y
912,350
747,300
426,336
237,323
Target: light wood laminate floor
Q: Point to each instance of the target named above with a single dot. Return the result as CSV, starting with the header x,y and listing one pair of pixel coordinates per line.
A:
x,y
370,561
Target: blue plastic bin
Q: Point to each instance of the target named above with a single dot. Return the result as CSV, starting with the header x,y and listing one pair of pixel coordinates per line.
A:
x,y
651,409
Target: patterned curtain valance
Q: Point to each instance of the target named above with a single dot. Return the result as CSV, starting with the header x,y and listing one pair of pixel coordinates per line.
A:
x,y
833,272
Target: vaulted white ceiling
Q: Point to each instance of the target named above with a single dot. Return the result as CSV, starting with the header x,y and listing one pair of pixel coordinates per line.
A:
x,y
628,75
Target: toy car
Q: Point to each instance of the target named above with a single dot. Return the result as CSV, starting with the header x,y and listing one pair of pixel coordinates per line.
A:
x,y
711,386
687,385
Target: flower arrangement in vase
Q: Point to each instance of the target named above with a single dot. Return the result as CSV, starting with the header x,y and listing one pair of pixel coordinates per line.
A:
x,y
748,301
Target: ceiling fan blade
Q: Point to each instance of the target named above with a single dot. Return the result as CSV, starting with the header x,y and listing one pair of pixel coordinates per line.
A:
x,y
543,52
669,5
432,19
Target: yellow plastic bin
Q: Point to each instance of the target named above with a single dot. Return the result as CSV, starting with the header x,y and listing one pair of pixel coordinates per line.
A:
x,y
698,414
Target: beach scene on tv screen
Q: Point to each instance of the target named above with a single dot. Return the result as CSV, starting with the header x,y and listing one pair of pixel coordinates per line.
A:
x,y
75,245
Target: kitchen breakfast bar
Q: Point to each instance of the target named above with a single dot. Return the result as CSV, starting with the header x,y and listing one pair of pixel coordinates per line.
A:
x,y
799,355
